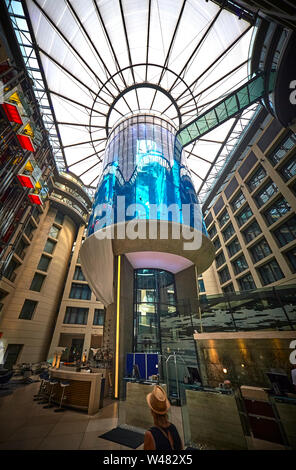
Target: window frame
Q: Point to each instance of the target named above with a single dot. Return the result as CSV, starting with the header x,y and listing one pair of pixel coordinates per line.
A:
x,y
32,313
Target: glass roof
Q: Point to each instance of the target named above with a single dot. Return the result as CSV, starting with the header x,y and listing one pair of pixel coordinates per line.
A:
x,y
95,61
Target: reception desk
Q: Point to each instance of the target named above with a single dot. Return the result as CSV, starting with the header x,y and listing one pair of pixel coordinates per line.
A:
x,y
137,412
214,420
84,391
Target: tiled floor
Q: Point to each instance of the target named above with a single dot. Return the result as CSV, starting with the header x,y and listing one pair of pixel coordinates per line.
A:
x,y
25,425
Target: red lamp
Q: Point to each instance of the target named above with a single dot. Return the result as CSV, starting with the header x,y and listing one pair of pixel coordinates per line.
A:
x,y
35,199
26,142
12,113
25,181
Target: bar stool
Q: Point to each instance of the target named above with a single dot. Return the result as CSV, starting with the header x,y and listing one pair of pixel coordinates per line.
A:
x,y
53,383
63,384
42,377
45,394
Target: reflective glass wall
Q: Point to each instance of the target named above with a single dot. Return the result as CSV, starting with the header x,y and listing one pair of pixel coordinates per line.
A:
x,y
155,297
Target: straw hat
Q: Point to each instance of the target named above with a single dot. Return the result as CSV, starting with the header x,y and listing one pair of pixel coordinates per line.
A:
x,y
157,400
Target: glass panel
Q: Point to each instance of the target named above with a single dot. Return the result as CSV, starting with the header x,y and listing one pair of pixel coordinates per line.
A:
x,y
76,316
37,282
277,210
240,264
265,194
286,232
43,263
256,179
99,317
28,309
270,272
54,232
49,246
260,250
233,247
251,232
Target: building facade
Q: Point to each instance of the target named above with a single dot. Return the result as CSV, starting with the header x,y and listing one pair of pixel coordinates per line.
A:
x,y
251,220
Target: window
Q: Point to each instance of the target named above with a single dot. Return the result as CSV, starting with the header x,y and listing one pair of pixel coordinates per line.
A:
x,y
238,201
78,275
233,247
76,316
246,282
80,291
224,275
220,259
228,289
266,193
289,169
251,232
37,282
28,309
9,272
291,257
20,249
260,250
49,246
276,211
212,232
54,232
286,232
270,272
217,243
240,264
59,218
44,263
287,144
228,232
29,230
256,179
99,317
223,219
244,215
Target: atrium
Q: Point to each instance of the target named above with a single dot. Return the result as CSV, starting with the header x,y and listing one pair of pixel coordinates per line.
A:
x,y
147,222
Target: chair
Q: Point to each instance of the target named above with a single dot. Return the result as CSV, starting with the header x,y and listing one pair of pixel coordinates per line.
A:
x,y
63,384
53,383
44,395
41,392
4,379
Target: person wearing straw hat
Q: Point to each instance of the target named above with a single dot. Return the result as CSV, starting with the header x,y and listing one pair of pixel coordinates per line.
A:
x,y
163,435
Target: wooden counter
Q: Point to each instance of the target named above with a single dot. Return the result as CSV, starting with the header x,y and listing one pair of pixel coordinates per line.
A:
x,y
84,391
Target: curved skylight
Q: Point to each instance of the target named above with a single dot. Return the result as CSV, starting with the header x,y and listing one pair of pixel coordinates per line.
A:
x,y
105,59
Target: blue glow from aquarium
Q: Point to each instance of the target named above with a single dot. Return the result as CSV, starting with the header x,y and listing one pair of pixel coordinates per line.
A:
x,y
143,163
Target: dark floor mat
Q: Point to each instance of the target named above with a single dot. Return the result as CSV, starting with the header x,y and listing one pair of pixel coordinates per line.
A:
x,y
124,437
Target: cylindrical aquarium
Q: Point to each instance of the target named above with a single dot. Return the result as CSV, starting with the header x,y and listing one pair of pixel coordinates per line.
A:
x,y
144,173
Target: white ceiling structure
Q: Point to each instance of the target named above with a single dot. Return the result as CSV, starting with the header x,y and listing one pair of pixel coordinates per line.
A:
x,y
95,61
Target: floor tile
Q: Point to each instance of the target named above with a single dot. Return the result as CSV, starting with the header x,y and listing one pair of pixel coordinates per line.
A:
x,y
62,442
27,444
30,432
63,428
101,424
